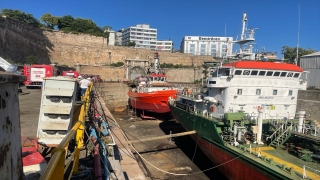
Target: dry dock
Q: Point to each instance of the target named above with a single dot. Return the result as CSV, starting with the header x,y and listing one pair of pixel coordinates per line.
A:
x,y
170,158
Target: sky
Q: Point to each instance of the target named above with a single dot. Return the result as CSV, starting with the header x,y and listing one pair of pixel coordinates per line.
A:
x,y
279,22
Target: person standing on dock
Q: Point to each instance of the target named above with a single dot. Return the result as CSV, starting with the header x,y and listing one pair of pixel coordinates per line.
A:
x,y
84,83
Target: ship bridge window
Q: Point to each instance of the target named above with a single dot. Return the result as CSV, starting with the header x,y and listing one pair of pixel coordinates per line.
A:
x,y
212,82
290,93
283,74
290,74
238,72
269,73
221,72
254,72
296,75
225,72
246,72
262,73
276,74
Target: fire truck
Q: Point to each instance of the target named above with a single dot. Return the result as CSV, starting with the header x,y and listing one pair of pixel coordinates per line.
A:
x,y
70,73
35,73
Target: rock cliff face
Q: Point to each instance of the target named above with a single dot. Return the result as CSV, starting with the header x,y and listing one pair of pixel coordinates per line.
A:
x,y
20,40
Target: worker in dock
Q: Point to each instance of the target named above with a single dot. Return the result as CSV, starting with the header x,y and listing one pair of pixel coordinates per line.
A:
x,y
84,84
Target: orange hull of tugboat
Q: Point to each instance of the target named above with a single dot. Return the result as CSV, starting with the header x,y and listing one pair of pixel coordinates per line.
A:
x,y
156,101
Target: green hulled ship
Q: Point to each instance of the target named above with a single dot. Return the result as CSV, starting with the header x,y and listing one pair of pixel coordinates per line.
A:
x,y
246,121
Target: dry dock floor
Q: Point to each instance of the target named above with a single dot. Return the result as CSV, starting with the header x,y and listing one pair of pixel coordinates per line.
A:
x,y
171,155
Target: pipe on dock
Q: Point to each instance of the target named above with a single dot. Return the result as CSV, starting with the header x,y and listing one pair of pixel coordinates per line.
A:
x,y
164,137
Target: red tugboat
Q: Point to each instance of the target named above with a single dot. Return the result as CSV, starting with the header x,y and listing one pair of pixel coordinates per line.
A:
x,y
152,92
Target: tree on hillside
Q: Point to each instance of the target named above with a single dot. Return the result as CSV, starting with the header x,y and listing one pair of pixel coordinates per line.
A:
x,y
32,59
21,16
49,20
64,23
132,44
86,26
291,53
106,28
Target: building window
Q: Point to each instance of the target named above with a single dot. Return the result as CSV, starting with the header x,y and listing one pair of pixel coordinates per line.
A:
x,y
258,91
224,50
192,48
239,92
275,92
213,50
290,93
203,49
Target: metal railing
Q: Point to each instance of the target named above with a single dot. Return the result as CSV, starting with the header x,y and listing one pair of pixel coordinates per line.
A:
x,y
56,169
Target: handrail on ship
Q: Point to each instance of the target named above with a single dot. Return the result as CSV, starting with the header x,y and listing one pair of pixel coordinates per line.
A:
x,y
56,167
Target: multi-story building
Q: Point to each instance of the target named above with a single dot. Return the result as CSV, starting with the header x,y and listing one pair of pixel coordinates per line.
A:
x,y
164,45
204,45
118,38
142,35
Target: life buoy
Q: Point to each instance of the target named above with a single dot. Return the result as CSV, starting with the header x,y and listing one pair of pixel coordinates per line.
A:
x,y
212,108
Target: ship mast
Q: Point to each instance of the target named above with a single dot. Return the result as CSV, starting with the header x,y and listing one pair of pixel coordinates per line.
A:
x,y
244,20
246,38
156,65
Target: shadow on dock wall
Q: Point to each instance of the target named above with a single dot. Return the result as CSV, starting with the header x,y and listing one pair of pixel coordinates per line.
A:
x,y
20,40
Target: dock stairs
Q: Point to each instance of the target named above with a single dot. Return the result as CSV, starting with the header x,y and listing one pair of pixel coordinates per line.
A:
x,y
281,136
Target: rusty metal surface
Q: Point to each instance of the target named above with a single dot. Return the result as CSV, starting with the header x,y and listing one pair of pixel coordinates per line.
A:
x,y
10,142
11,78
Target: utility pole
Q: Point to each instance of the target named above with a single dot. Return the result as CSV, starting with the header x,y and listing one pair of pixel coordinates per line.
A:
x,y
296,61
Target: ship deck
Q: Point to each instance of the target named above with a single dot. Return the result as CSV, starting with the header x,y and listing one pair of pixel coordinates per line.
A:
x,y
282,160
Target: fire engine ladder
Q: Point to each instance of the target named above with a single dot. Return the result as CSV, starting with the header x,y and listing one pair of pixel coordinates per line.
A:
x,y
28,68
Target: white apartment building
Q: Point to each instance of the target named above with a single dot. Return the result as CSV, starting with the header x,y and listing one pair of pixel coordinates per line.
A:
x,y
118,38
164,45
205,45
142,35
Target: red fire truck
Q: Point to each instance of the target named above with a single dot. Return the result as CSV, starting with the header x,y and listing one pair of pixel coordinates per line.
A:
x,y
70,73
35,73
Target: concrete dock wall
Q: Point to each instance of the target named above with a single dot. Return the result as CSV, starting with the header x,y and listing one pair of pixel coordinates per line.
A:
x,y
113,94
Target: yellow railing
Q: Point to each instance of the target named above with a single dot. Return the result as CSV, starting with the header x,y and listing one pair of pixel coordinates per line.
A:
x,y
56,167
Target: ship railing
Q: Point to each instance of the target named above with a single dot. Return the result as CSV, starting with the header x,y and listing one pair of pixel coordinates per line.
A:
x,y
56,167
314,171
275,134
287,130
308,130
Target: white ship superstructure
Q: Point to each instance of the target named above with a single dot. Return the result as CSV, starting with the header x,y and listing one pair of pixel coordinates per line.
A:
x,y
249,86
